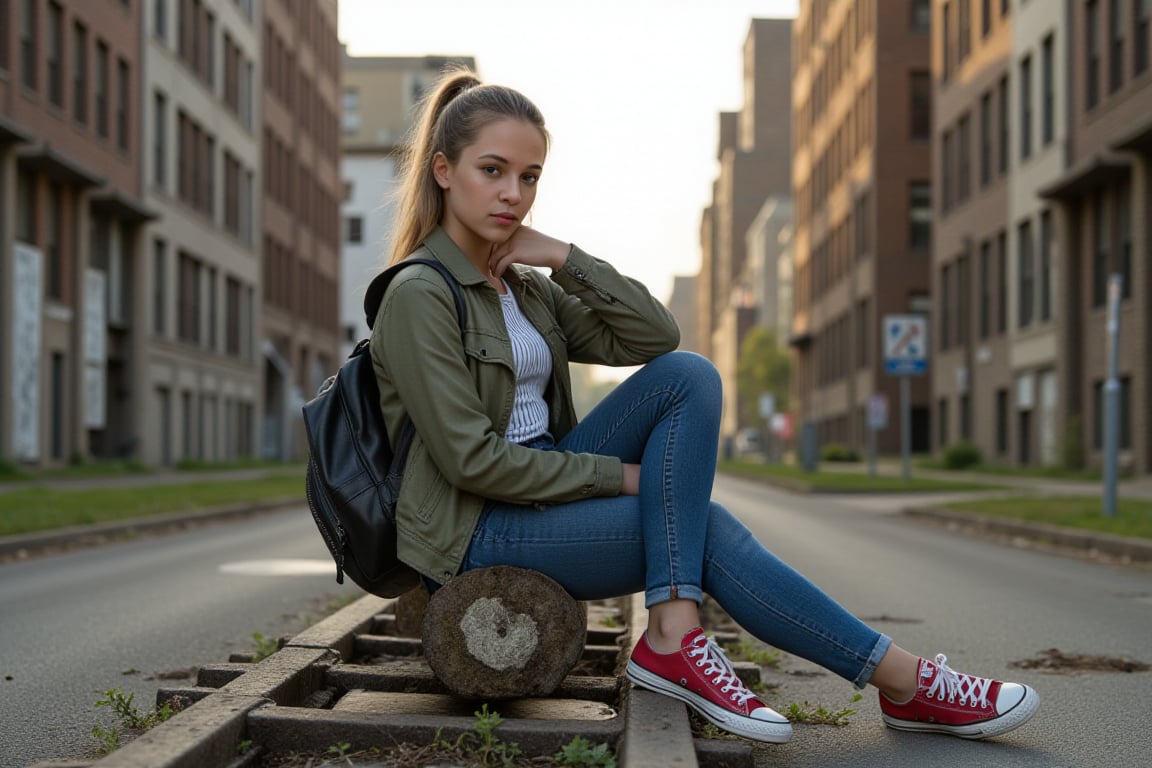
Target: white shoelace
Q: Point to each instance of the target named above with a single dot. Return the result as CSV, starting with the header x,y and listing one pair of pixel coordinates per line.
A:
x,y
971,690
718,664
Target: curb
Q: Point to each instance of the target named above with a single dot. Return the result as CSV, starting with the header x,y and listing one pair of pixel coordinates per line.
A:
x,y
24,544
1128,549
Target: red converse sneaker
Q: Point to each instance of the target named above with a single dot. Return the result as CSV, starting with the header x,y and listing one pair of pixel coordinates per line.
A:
x,y
701,676
963,705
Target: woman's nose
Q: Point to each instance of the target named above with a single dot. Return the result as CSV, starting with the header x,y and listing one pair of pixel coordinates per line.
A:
x,y
510,191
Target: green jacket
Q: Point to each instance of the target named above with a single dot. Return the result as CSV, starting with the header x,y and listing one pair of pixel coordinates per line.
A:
x,y
459,394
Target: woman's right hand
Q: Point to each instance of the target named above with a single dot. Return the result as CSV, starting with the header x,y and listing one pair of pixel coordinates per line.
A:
x,y
631,483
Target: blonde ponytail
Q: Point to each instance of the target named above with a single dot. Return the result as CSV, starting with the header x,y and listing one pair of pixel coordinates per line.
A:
x,y
452,114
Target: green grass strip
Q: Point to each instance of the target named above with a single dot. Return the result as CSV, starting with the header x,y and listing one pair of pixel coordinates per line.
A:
x,y
842,482
37,509
1133,516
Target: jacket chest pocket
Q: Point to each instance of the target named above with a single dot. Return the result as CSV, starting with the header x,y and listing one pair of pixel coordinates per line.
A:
x,y
484,349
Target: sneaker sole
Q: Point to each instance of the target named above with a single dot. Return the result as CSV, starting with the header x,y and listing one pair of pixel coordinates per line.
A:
x,y
749,728
1009,721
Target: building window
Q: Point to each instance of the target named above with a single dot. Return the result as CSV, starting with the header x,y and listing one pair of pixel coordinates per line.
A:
x,y
985,17
1124,413
233,316
351,110
28,35
963,299
1002,108
1092,53
53,255
942,407
1027,285
102,89
160,140
1124,237
920,97
1116,48
1101,238
122,90
25,207
1002,282
1001,421
1005,8
986,139
188,299
355,229
946,306
1142,12
1047,91
159,287
945,40
55,54
921,16
80,72
160,19
963,30
920,215
1026,107
946,170
5,10
985,288
963,158
1045,266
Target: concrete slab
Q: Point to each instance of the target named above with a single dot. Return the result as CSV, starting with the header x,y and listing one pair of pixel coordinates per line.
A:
x,y
286,677
445,704
338,631
302,730
203,736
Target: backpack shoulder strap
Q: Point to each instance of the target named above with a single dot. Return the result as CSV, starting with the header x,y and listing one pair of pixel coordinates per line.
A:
x,y
375,293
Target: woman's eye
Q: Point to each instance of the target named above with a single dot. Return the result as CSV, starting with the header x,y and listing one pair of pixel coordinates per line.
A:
x,y
530,178
491,170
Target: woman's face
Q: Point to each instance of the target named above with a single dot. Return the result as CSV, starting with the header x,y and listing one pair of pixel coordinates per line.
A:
x,y
491,188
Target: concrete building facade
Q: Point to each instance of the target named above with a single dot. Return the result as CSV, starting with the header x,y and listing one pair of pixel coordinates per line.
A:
x,y
199,389
1101,208
753,155
71,222
862,181
300,215
380,95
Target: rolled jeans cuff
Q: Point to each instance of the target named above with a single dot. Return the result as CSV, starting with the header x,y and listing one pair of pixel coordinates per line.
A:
x,y
658,595
878,652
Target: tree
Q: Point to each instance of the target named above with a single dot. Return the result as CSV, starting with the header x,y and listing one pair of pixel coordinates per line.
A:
x,y
762,368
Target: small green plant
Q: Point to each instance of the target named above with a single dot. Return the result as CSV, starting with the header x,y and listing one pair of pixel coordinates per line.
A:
x,y
580,752
747,650
244,746
265,646
838,452
609,620
962,456
806,713
129,717
340,751
481,745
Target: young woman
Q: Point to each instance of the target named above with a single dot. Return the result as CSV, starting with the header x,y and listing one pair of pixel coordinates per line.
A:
x,y
500,473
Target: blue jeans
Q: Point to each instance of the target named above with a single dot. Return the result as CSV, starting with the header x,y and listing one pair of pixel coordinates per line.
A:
x,y
672,541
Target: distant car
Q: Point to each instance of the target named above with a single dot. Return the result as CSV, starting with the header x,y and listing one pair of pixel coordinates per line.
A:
x,y
748,442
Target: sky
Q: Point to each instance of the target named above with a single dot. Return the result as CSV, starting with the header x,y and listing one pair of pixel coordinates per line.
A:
x,y
631,92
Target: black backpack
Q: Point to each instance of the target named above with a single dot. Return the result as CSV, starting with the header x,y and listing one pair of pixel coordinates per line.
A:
x,y
353,476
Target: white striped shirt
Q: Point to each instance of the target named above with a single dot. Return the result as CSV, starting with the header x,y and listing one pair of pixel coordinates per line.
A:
x,y
533,368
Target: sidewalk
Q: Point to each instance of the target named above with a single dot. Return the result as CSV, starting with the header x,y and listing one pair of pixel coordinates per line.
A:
x,y
58,539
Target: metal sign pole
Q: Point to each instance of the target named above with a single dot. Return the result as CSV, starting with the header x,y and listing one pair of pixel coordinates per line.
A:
x,y
906,426
1112,397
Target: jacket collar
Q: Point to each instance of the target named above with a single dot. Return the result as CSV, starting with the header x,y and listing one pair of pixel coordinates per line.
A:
x,y
450,255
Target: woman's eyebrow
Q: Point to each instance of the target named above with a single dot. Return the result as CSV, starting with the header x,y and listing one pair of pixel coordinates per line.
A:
x,y
498,158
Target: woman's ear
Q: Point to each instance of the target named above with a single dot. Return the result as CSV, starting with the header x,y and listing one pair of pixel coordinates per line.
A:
x,y
440,169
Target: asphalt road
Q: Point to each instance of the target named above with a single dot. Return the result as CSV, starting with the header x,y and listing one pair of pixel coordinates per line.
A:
x,y
73,624
981,603
121,614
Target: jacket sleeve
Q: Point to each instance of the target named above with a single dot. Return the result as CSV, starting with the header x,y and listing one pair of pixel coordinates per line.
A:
x,y
609,319
424,362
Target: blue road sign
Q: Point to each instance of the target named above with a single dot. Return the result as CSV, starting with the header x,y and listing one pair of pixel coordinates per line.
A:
x,y
905,345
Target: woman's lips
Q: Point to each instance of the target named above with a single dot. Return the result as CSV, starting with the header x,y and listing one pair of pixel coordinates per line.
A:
x,y
506,219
